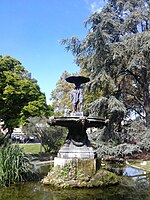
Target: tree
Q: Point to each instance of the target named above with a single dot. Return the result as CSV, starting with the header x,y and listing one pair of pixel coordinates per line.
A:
x,y
134,74
20,95
60,96
51,137
116,55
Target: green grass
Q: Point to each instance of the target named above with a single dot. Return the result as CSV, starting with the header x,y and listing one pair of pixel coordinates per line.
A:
x,y
137,163
31,148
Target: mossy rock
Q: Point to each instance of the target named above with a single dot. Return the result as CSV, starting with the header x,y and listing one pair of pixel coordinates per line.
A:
x,y
104,178
69,178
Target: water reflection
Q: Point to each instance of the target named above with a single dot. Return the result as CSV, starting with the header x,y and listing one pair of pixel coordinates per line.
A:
x,y
130,171
135,189
36,191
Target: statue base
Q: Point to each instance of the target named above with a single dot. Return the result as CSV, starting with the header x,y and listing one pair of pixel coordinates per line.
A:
x,y
87,166
72,151
79,173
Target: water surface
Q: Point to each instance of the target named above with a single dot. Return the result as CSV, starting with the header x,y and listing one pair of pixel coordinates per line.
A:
x,y
138,189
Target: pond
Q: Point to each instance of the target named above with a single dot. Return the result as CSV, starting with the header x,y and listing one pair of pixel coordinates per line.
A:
x,y
139,189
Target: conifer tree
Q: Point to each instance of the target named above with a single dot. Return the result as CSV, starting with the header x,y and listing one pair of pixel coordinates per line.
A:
x,y
116,55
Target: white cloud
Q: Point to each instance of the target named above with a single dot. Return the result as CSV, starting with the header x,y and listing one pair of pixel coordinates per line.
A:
x,y
95,5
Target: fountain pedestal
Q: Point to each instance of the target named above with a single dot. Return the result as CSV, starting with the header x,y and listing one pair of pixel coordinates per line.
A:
x,y
72,151
77,145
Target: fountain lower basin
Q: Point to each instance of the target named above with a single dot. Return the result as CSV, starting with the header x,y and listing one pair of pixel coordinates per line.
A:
x,y
77,145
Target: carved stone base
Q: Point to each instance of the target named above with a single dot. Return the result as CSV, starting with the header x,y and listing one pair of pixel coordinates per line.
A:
x,y
87,166
72,151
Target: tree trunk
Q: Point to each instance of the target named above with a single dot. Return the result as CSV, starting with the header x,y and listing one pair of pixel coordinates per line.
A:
x,y
148,118
10,131
108,133
41,149
6,136
146,96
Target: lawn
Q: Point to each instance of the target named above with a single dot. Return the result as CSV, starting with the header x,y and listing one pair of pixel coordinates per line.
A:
x,y
145,165
32,148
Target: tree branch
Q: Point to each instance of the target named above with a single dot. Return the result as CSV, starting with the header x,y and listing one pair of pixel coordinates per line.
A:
x,y
136,98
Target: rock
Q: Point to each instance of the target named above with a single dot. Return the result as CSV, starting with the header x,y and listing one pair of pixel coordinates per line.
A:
x,y
62,178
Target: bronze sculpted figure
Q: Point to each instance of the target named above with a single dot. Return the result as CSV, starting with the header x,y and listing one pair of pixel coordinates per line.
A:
x,y
77,94
77,99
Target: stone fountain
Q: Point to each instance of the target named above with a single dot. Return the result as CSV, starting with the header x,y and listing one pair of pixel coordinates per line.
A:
x,y
77,144
77,151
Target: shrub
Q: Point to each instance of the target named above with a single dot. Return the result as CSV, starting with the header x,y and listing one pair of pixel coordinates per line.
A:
x,y
14,164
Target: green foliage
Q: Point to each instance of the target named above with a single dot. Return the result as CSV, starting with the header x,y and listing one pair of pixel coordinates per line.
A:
x,y
60,96
51,137
134,140
14,165
20,95
121,150
116,55
64,173
1,134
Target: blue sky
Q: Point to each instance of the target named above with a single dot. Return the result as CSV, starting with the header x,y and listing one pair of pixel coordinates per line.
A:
x,y
31,31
